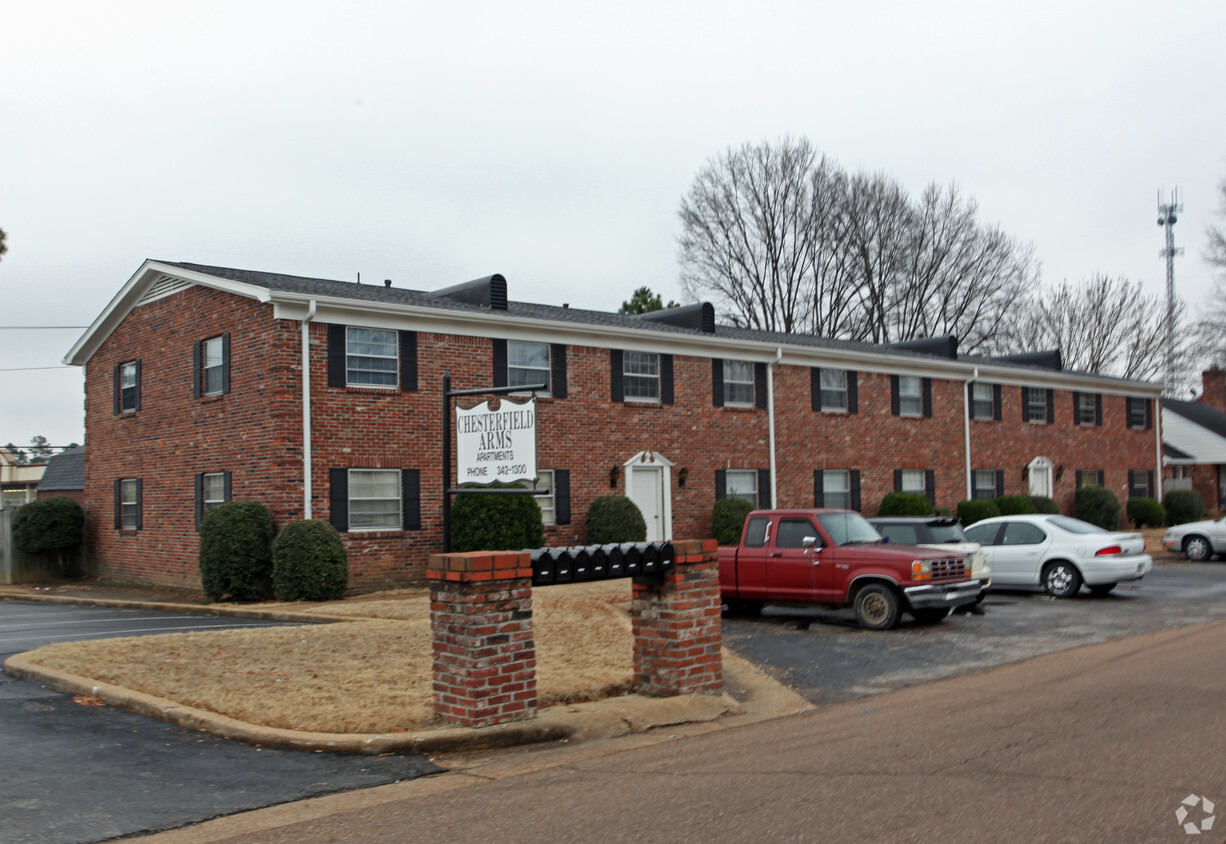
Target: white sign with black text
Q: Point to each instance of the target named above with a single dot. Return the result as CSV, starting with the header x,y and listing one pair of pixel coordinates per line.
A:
x,y
496,444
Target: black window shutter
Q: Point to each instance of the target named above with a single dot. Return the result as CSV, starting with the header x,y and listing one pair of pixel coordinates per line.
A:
x,y
140,503
855,489
1025,404
137,407
1076,408
118,391
197,353
199,497
500,363
815,388
410,498
764,488
759,385
717,382
118,503
996,402
338,498
927,398
898,480
1101,479
557,362
225,486
819,491
666,379
1149,413
930,486
561,496
853,393
721,484
1000,482
616,373
336,355
1149,484
408,361
225,362
1051,406
894,394
1098,409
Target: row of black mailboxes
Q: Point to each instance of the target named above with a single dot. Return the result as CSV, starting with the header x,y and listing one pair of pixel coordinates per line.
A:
x,y
577,563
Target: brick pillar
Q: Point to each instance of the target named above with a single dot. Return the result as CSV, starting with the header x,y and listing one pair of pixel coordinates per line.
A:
x,y
1213,389
676,624
481,626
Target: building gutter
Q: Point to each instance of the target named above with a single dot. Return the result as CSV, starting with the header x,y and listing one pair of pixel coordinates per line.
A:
x,y
770,410
966,428
306,411
1158,448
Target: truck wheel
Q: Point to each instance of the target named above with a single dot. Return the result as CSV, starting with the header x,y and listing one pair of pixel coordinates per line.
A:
x,y
743,607
1197,548
877,607
1061,579
932,616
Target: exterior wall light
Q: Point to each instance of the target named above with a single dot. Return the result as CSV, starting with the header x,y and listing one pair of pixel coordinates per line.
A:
x,y
613,475
681,477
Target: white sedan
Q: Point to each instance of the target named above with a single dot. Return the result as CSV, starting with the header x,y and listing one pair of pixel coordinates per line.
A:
x,y
1059,553
1199,540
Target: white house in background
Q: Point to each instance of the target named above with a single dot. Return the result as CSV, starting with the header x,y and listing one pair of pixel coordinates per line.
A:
x,y
18,484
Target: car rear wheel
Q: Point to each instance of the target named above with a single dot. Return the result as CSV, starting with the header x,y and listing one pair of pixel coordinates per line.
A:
x,y
1197,548
877,607
1061,579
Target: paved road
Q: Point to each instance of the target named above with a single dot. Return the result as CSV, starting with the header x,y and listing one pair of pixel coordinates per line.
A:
x,y
71,773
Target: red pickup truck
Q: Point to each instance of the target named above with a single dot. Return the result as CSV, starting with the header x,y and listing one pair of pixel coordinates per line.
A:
x,y
836,558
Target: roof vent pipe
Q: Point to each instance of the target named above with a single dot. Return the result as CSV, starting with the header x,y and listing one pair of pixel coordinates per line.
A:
x,y
387,282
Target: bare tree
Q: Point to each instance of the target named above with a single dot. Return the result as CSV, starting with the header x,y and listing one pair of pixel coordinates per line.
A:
x,y
1212,328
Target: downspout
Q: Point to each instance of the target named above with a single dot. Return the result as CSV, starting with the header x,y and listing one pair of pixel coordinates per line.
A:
x,y
306,411
770,410
966,425
1158,447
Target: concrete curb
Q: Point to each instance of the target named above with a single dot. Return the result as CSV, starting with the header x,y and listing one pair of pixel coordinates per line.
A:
x,y
186,609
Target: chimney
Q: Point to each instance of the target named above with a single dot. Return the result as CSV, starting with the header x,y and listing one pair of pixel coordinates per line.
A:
x,y
1213,388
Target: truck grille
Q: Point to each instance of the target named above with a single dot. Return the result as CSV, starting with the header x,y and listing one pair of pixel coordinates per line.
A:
x,y
949,568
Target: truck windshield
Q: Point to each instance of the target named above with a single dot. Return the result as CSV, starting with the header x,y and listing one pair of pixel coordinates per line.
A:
x,y
848,528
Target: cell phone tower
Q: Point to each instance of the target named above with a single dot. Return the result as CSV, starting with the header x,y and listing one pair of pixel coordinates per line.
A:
x,y
1167,217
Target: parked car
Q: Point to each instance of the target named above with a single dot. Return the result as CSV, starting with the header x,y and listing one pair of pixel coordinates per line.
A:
x,y
1059,553
1198,540
941,532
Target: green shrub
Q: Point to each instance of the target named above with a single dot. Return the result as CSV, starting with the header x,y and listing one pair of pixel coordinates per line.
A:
x,y
615,518
905,504
1098,506
976,510
496,522
1015,505
309,562
1145,512
1043,504
728,519
49,526
1182,506
236,552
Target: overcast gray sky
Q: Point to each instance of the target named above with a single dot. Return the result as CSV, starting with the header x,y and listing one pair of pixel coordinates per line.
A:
x,y
552,141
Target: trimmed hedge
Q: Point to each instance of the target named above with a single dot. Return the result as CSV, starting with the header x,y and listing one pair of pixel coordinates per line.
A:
x,y
728,519
1098,506
1015,505
309,562
614,518
1183,506
496,522
1145,512
976,510
1045,505
49,526
905,504
236,552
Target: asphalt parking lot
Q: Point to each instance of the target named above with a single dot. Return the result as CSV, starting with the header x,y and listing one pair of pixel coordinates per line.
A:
x,y
827,658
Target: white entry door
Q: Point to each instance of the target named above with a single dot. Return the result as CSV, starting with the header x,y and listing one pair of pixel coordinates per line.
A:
x,y
646,490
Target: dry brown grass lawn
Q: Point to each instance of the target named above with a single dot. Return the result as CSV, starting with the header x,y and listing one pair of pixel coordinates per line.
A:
x,y
370,675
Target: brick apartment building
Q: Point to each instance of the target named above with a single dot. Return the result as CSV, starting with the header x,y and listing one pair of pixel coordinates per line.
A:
x,y
196,393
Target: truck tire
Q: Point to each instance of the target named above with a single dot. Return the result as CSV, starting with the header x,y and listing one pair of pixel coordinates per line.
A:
x,y
877,607
743,607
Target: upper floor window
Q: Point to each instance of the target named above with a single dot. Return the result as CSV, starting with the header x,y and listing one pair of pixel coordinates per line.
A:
x,y
910,395
127,387
370,357
213,366
1088,408
1140,414
738,383
834,390
983,401
641,376
527,364
1035,404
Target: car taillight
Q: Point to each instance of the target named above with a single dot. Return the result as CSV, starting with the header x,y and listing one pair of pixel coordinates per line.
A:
x,y
1109,551
921,570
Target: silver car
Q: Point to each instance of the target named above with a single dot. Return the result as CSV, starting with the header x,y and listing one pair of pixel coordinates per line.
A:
x,y
1199,540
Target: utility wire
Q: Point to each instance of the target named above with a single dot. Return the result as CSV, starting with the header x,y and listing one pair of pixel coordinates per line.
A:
x,y
42,327
33,368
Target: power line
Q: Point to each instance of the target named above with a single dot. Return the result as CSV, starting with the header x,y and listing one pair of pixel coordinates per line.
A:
x,y
43,327
34,368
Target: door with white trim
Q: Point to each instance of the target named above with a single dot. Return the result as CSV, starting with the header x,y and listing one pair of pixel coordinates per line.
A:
x,y
646,490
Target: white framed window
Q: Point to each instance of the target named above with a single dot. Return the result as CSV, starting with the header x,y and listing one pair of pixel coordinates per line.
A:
x,y
983,486
212,366
738,383
374,499
129,386
527,364
983,401
834,392
1036,404
1139,484
547,503
742,483
129,507
1137,412
1086,412
212,490
836,488
1087,477
913,481
641,376
371,357
910,395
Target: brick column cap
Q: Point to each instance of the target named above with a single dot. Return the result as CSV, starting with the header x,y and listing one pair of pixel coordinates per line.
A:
x,y
476,566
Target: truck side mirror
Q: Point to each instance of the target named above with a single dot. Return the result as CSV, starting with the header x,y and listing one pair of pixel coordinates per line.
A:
x,y
809,541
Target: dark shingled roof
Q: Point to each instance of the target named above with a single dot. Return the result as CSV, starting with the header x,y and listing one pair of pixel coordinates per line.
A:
x,y
1202,414
65,470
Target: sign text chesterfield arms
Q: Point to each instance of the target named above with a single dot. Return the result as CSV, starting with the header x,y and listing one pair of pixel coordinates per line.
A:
x,y
496,444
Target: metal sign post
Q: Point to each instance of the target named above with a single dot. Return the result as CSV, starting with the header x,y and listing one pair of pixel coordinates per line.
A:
x,y
510,473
